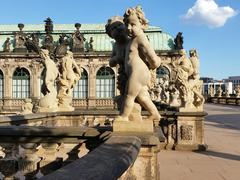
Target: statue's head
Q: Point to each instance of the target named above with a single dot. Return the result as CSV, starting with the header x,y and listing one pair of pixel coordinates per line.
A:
x,y
193,53
135,14
69,53
115,28
44,53
182,52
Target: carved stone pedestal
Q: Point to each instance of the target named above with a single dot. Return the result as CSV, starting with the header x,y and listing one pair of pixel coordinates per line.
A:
x,y
44,109
133,126
146,165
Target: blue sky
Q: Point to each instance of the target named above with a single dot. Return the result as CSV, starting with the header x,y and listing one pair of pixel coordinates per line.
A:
x,y
210,26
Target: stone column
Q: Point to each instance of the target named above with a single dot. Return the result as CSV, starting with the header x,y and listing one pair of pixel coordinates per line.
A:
x,y
7,96
92,86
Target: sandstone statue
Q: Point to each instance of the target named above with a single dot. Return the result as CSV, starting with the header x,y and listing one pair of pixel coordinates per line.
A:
x,y
78,40
49,102
237,90
6,45
27,107
116,29
20,39
137,83
219,91
69,76
178,41
188,83
211,90
174,96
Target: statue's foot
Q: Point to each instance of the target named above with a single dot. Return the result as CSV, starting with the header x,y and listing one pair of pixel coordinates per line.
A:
x,y
120,118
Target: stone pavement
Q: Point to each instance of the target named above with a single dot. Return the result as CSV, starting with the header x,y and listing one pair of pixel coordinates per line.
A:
x,y
222,159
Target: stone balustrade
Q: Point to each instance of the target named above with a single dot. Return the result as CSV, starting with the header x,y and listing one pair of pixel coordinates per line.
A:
x,y
35,145
14,105
225,100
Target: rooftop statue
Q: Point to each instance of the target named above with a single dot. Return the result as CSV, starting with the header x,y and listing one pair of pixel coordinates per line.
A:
x,y
78,40
140,57
6,46
20,39
178,41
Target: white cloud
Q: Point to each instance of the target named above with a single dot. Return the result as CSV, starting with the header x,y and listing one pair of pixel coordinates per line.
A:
x,y
207,12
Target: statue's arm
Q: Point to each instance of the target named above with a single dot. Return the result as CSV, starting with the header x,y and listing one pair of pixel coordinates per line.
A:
x,y
77,67
152,58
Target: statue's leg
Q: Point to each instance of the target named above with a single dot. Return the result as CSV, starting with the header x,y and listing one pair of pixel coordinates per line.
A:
x,y
132,92
145,100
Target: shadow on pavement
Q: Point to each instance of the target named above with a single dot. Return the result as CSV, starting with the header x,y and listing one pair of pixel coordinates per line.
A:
x,y
227,121
220,155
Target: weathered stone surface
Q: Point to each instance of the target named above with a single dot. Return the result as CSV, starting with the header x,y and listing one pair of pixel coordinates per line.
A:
x,y
108,161
133,126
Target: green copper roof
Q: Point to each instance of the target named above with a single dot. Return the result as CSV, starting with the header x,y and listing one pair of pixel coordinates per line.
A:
x,y
102,42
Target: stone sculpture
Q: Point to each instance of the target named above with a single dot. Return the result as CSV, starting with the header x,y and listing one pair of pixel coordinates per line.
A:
x,y
178,41
48,43
219,91
174,96
49,102
211,90
165,91
137,83
48,40
6,46
188,83
27,107
237,90
227,93
20,38
69,76
195,62
90,48
116,29
78,40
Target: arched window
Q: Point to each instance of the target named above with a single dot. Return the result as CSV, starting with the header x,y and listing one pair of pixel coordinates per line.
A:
x,y
1,84
80,91
21,83
105,83
162,71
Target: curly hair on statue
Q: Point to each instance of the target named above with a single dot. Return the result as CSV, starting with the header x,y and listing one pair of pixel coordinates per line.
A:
x,y
139,13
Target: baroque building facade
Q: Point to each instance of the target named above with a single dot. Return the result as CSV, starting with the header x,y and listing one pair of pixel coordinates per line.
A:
x,y
21,71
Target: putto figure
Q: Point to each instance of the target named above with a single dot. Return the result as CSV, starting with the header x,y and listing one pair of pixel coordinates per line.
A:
x,y
140,57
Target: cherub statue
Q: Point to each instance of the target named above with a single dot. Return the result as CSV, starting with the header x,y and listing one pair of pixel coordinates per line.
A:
x,y
116,29
140,57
